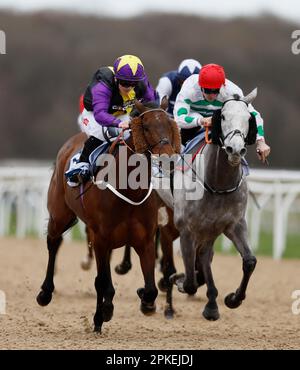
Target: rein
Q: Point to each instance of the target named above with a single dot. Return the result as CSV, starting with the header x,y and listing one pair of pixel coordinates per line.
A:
x,y
204,184
120,138
120,195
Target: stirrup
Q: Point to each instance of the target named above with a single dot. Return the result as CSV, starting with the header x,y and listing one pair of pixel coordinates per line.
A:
x,y
79,173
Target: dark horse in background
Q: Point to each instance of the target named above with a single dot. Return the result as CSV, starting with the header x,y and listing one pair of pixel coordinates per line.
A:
x,y
111,221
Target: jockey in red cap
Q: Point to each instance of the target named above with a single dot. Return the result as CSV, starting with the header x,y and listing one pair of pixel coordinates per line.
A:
x,y
200,96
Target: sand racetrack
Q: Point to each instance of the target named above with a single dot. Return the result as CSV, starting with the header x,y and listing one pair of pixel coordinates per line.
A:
x,y
264,321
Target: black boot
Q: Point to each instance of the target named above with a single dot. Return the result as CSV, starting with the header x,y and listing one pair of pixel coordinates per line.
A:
x,y
89,146
80,173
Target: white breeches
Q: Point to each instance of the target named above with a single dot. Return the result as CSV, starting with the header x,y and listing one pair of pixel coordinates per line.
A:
x,y
91,127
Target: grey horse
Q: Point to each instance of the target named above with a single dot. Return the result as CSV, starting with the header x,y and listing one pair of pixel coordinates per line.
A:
x,y
221,208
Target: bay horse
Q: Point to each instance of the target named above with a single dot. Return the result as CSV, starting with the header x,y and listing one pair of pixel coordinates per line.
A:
x,y
164,237
112,222
222,206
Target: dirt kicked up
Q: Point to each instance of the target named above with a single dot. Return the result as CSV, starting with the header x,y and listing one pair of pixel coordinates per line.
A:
x,y
264,321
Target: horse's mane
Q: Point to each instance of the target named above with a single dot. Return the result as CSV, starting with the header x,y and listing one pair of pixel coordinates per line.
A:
x,y
138,134
150,104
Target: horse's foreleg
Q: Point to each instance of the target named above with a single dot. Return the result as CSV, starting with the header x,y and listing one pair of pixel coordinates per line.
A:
x,y
54,240
125,265
104,288
239,237
149,293
211,311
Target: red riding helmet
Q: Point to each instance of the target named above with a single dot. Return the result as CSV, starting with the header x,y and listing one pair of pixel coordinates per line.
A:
x,y
211,76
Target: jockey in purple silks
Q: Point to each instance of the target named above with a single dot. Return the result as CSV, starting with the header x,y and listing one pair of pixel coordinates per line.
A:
x,y
108,101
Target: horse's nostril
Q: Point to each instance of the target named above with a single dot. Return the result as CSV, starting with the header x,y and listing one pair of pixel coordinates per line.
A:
x,y
229,150
243,152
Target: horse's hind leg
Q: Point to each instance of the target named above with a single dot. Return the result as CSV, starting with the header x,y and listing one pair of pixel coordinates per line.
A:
x,y
239,237
187,283
125,265
211,311
167,267
167,261
104,288
86,263
56,227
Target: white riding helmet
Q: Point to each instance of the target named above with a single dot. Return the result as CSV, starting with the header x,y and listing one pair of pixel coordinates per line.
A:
x,y
188,67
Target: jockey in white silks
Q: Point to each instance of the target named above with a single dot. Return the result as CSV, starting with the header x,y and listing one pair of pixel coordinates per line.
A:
x,y
170,82
200,96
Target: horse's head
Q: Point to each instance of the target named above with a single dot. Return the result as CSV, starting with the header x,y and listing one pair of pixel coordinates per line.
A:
x,y
154,131
234,127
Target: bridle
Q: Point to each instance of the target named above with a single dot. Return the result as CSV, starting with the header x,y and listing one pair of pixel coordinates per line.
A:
x,y
162,141
222,138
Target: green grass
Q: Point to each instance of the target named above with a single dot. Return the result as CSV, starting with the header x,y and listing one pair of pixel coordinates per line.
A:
x,y
265,242
265,245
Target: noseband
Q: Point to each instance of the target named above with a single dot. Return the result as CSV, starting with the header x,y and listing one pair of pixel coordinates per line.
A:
x,y
162,141
233,132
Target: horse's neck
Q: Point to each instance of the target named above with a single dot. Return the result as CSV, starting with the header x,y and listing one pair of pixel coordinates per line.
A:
x,y
124,162
219,174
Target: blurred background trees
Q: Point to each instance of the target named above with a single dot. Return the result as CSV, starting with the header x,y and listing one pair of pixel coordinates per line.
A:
x,y
51,57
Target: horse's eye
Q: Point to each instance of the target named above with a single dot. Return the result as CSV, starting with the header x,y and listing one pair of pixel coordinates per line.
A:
x,y
222,117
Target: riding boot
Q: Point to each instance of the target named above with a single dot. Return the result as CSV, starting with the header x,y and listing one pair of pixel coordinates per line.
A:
x,y
80,171
89,146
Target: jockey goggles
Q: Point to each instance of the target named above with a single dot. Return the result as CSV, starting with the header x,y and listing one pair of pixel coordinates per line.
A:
x,y
127,83
210,91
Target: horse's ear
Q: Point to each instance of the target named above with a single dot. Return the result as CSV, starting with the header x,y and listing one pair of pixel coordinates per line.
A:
x,y
251,96
176,137
216,129
251,137
138,136
139,106
164,103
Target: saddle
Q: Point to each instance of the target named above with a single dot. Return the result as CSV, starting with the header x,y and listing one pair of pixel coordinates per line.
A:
x,y
104,148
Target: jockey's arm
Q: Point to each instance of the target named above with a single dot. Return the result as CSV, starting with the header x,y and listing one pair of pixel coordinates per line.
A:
x,y
150,93
182,113
262,148
101,104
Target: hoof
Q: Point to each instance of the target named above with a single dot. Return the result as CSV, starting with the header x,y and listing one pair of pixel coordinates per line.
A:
x,y
163,285
86,264
231,301
211,314
107,311
97,329
178,280
44,298
148,309
123,268
169,313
